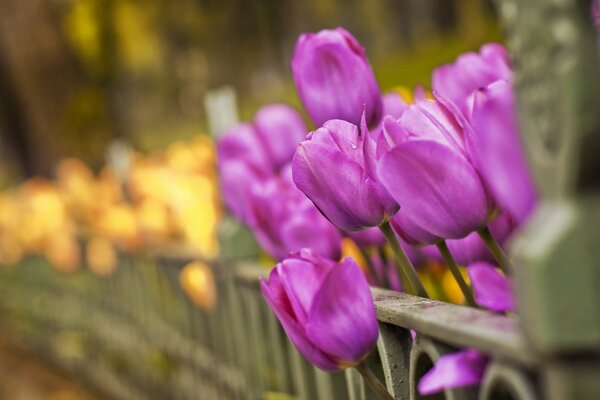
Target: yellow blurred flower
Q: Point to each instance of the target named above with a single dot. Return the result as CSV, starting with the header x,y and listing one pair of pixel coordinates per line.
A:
x,y
198,282
101,256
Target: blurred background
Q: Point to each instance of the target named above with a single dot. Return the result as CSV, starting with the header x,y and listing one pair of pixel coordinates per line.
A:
x,y
80,77
76,74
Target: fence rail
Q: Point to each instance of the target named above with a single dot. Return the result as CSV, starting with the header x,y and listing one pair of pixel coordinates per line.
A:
x,y
135,335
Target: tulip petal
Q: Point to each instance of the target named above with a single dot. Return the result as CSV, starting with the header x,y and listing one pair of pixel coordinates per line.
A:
x,y
436,187
492,289
275,298
496,149
342,318
301,279
463,368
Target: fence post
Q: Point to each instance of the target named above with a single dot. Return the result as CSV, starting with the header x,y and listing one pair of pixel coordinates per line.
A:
x,y
557,77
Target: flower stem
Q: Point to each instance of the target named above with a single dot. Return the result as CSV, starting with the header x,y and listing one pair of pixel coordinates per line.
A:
x,y
494,248
451,262
404,264
374,383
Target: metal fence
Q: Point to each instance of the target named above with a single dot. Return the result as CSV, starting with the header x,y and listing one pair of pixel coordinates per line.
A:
x,y
135,335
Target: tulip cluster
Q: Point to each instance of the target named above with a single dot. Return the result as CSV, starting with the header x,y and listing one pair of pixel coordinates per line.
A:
x,y
254,161
445,171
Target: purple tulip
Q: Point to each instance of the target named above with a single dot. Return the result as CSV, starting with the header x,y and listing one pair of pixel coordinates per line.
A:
x,y
325,307
249,153
494,144
492,290
284,220
471,71
334,78
335,168
463,368
427,171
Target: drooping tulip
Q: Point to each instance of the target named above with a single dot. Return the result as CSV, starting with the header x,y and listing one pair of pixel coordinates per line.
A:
x,y
325,307
284,220
463,368
492,290
334,78
335,168
425,168
471,71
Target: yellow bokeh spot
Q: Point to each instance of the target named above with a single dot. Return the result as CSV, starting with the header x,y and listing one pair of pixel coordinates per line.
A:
x,y
198,282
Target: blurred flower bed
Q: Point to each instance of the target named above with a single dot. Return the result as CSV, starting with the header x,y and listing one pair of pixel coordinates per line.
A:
x,y
157,202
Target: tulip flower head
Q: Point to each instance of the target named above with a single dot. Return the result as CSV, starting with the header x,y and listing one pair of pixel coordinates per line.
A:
x,y
334,167
334,78
325,307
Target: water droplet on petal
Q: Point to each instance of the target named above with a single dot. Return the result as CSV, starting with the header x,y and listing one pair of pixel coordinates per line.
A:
x,y
354,145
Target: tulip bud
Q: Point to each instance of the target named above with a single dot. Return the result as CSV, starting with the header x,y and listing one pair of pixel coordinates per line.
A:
x,y
335,168
334,78
325,307
429,174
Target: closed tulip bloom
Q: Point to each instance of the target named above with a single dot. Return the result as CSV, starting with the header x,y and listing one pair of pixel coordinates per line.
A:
x,y
471,71
284,220
334,78
428,173
335,168
325,307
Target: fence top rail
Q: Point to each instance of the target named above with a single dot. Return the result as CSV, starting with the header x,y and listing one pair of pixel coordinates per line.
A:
x,y
498,335
461,326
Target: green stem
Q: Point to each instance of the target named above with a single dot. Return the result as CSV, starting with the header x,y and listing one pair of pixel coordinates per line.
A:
x,y
451,262
404,264
494,248
372,381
